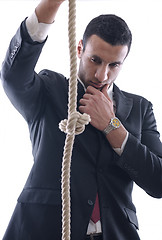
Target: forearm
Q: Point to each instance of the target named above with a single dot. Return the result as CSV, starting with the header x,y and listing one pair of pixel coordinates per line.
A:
x,y
17,73
142,165
117,136
47,9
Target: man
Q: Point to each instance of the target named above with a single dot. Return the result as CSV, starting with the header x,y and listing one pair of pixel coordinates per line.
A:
x,y
120,146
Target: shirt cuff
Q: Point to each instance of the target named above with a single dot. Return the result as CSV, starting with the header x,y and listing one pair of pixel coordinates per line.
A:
x,y
119,151
37,31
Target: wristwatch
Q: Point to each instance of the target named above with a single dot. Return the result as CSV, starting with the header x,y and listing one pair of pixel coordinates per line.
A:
x,y
113,124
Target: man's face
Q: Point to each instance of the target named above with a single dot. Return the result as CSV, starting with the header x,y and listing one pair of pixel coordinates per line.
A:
x,y
100,62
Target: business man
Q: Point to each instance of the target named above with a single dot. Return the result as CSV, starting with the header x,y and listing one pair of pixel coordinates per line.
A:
x,y
120,146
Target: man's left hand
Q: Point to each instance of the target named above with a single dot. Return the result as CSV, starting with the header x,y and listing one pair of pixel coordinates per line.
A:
x,y
98,105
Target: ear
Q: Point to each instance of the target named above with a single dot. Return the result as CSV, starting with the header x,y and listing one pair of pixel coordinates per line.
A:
x,y
80,49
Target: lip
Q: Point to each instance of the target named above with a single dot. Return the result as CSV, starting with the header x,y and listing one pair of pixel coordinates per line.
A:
x,y
97,85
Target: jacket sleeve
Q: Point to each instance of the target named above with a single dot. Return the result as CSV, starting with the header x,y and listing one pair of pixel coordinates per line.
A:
x,y
21,83
142,159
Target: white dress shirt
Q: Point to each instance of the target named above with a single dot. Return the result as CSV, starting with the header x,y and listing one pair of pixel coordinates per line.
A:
x,y
38,32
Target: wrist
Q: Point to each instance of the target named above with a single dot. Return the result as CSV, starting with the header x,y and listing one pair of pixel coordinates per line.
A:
x,y
113,124
117,136
46,11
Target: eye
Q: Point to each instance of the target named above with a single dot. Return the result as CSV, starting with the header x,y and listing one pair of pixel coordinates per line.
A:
x,y
114,65
96,60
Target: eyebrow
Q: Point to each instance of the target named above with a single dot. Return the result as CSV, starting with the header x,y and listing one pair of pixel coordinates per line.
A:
x,y
115,63
100,59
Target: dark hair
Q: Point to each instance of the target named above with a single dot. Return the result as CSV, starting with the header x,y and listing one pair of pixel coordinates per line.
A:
x,y
110,28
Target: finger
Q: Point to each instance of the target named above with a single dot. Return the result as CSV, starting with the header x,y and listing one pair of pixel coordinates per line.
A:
x,y
104,91
82,109
86,96
92,90
83,101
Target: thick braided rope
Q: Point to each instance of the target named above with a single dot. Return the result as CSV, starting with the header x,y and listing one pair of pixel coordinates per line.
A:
x,y
75,124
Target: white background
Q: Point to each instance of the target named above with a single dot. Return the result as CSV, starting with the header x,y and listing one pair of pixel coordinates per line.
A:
x,y
141,74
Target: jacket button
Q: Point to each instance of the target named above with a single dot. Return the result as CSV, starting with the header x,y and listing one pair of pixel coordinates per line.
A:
x,y
90,202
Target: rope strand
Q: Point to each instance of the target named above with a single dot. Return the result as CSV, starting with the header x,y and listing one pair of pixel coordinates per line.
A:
x,y
75,124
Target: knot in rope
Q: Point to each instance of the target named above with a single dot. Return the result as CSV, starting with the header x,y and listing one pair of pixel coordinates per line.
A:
x,y
75,124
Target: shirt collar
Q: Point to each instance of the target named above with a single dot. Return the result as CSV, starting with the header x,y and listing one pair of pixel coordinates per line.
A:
x,y
110,91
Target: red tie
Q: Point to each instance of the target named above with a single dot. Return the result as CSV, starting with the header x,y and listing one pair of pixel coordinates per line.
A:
x,y
96,211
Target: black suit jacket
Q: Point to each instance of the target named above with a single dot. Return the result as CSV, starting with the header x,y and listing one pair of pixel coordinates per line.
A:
x,y
42,100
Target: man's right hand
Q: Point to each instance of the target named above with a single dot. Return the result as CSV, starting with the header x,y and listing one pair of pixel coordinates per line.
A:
x,y
47,9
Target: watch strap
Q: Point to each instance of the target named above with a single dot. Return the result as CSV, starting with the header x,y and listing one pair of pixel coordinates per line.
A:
x,y
113,124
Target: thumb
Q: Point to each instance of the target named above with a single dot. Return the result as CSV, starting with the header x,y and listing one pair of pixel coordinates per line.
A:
x,y
104,90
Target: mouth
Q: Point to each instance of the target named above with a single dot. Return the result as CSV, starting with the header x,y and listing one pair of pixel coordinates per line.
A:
x,y
97,85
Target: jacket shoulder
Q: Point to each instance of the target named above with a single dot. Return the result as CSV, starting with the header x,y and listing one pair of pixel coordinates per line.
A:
x,y
51,77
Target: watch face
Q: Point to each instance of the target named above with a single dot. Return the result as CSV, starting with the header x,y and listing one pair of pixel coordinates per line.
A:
x,y
116,122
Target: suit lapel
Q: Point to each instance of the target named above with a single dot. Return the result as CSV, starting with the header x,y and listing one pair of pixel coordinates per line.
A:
x,y
123,104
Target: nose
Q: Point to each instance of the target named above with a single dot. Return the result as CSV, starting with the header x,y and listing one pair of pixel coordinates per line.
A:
x,y
102,73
